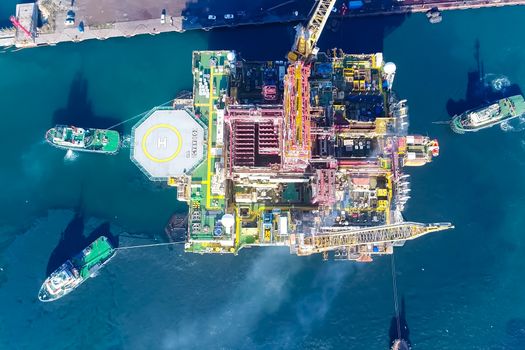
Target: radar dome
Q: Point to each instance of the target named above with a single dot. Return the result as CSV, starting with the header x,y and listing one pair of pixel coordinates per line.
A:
x,y
228,221
230,56
389,68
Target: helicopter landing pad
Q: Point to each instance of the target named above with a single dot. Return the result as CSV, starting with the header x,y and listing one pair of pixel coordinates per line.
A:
x,y
167,143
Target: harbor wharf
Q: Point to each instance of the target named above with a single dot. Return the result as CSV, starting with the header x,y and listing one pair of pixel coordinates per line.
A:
x,y
79,20
383,8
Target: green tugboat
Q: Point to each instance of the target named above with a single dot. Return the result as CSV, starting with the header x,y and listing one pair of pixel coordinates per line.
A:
x,y
75,271
485,117
87,140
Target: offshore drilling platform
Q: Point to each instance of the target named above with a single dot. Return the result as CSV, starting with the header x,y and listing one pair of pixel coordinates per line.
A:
x,y
306,153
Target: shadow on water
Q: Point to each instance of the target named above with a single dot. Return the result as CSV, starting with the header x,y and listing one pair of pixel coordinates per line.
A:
x,y
79,109
73,241
404,331
481,90
359,34
211,13
273,41
177,228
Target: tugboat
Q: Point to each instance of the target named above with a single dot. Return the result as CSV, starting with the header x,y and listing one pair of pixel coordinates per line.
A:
x,y
487,116
87,140
75,271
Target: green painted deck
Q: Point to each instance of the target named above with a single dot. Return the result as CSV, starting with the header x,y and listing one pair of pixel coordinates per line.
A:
x,y
97,252
518,105
108,140
210,83
93,140
509,108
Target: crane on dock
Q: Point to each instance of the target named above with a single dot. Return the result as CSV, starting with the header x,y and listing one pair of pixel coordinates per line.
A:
x,y
332,238
18,25
306,37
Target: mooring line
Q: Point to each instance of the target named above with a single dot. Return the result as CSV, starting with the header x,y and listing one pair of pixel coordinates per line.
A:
x,y
148,245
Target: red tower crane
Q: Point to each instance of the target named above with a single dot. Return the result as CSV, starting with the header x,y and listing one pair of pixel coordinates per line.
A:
x,y
17,24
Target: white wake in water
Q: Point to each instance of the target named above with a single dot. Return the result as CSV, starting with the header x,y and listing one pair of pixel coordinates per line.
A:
x,y
497,82
514,125
70,156
125,141
500,84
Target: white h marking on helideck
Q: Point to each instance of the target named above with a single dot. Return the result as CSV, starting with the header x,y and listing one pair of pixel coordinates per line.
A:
x,y
162,142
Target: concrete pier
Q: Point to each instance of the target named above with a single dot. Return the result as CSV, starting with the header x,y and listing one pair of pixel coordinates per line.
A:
x,y
79,20
25,31
415,6
7,37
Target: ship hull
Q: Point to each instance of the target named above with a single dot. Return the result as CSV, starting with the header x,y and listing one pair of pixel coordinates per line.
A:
x,y
456,126
101,140
71,274
45,296
507,109
78,149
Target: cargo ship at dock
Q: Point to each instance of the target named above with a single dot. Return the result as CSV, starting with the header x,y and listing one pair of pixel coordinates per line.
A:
x,y
85,140
487,116
76,270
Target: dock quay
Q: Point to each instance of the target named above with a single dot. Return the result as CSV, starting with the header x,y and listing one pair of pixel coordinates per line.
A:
x,y
370,8
49,22
79,20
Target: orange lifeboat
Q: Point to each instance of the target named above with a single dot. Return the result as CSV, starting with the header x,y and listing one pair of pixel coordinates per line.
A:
x,y
364,258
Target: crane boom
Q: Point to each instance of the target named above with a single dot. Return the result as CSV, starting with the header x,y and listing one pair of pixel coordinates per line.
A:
x,y
18,25
306,37
334,238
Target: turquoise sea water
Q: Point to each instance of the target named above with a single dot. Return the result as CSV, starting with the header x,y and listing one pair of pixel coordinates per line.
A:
x,y
463,289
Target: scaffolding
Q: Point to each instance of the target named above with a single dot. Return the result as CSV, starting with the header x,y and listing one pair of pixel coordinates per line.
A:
x,y
297,140
254,131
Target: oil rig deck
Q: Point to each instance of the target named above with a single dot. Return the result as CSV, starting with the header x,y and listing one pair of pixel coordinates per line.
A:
x,y
307,155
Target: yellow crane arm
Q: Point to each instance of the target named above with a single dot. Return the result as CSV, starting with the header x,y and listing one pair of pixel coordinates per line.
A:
x,y
307,37
318,20
334,238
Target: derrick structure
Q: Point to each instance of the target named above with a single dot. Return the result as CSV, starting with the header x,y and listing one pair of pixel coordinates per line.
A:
x,y
297,116
253,131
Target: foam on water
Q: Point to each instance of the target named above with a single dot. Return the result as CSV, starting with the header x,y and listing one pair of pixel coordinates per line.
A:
x,y
514,125
125,141
70,156
497,82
